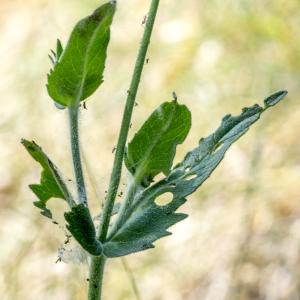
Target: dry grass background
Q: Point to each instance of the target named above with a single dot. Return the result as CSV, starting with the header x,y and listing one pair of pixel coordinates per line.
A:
x,y
242,239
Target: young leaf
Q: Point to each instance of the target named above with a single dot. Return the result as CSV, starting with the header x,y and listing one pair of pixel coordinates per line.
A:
x,y
79,69
145,221
153,147
81,226
51,184
59,49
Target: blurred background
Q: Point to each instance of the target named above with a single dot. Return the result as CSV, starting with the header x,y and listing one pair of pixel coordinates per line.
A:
x,y
242,239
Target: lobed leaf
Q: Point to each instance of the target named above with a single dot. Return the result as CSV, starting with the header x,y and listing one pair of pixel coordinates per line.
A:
x,y
198,164
153,147
145,221
81,226
51,183
78,71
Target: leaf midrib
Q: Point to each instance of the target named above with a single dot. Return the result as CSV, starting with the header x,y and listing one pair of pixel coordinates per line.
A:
x,y
84,72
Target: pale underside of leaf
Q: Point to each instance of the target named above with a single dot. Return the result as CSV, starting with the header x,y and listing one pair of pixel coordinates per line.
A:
x,y
146,221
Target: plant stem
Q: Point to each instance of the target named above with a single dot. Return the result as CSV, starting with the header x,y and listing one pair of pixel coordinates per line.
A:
x,y
74,136
96,277
117,166
97,263
126,203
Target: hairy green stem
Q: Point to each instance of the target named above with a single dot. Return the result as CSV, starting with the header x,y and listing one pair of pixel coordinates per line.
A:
x,y
97,264
96,277
74,136
117,166
122,214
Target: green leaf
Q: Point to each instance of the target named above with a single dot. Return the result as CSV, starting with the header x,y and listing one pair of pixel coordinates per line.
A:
x,y
145,221
54,56
79,69
275,98
51,184
153,147
59,49
81,226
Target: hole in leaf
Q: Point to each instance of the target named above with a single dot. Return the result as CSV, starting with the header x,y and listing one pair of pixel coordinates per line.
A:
x,y
160,176
164,199
191,176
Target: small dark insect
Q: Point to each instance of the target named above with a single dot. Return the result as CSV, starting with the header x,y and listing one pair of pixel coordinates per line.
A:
x,y
58,260
84,105
87,279
130,125
54,222
147,60
144,20
121,194
95,286
105,192
136,104
68,238
113,150
174,96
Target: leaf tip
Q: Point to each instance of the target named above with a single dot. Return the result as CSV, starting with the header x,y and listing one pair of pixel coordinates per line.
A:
x,y
275,98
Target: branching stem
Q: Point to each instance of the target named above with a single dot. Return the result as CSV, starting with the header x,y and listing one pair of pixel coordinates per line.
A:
x,y
118,161
97,274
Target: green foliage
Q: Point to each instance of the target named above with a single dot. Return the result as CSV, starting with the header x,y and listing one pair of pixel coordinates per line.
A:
x,y
51,184
81,226
140,219
59,49
145,221
55,56
153,147
78,70
275,98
